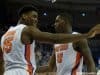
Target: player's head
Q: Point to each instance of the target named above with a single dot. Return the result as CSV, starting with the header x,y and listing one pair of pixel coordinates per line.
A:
x,y
28,15
63,23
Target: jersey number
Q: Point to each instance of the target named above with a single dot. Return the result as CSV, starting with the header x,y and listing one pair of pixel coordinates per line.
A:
x,y
59,57
61,47
8,38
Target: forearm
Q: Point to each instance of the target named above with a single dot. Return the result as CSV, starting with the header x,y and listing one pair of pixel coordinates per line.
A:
x,y
83,48
1,62
42,69
66,38
89,61
52,62
1,66
57,38
90,65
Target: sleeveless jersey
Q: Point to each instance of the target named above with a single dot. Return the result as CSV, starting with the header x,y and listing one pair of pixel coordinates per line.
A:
x,y
68,61
15,53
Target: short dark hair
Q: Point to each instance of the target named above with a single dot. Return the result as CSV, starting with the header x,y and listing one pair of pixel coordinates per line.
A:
x,y
66,16
26,8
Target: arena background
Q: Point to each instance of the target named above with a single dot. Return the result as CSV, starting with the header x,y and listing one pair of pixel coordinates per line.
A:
x,y
86,14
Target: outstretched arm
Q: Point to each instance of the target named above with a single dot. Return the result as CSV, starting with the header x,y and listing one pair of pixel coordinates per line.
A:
x,y
48,68
83,48
36,34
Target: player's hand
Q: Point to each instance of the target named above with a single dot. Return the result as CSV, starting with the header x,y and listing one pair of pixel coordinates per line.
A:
x,y
91,34
95,30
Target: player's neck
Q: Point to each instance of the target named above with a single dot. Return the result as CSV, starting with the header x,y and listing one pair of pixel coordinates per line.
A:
x,y
68,30
27,24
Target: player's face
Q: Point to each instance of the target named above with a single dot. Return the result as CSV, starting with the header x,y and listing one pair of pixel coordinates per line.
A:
x,y
59,24
32,18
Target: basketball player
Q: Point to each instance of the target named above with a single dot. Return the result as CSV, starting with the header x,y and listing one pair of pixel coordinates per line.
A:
x,y
68,57
18,42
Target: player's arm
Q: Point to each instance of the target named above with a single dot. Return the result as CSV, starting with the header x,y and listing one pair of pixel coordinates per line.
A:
x,y
53,38
1,62
49,67
83,48
52,62
95,29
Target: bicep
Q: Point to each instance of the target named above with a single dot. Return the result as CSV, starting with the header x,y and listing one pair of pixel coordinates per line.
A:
x,y
85,50
41,36
81,45
84,44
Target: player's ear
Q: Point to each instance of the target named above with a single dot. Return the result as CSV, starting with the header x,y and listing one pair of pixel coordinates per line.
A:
x,y
24,16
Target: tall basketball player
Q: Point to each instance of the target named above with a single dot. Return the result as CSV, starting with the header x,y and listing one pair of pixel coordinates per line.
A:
x,y
68,57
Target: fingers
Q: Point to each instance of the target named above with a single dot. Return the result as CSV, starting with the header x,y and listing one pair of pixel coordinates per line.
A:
x,y
95,30
92,34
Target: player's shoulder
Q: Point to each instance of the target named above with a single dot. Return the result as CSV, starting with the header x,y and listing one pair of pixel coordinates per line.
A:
x,y
30,31
20,26
76,33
